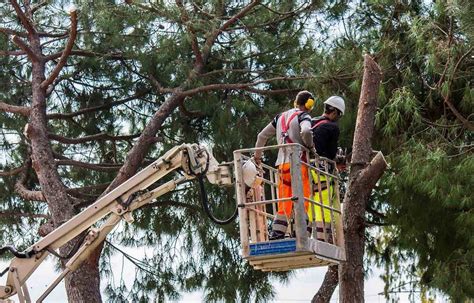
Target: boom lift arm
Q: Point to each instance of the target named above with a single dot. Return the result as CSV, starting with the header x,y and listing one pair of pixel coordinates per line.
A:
x,y
195,161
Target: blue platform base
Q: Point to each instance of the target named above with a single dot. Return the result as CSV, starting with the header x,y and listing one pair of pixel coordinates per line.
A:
x,y
273,247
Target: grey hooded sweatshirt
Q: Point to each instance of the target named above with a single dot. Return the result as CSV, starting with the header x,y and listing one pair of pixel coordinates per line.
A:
x,y
299,131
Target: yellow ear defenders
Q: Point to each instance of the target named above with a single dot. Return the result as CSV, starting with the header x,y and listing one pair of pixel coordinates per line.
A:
x,y
309,104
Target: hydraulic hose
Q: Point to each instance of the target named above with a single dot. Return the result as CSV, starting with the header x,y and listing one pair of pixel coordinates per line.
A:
x,y
205,205
205,200
16,253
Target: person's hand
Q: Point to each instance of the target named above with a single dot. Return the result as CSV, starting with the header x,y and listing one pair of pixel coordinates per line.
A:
x,y
314,151
257,160
341,166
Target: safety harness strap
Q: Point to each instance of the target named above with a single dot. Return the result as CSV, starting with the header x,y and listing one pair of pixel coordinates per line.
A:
x,y
285,126
320,122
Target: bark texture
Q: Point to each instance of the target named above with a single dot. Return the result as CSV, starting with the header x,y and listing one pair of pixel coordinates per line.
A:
x,y
83,284
364,174
326,290
362,178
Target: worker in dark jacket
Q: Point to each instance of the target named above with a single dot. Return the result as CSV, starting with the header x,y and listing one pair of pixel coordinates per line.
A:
x,y
325,137
325,128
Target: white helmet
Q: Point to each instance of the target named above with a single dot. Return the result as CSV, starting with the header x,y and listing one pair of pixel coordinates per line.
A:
x,y
336,102
249,171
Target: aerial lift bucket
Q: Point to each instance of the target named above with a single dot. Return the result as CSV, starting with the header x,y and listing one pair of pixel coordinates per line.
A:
x,y
257,201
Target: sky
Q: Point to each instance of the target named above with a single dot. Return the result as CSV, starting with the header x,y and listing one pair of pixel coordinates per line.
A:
x,y
300,288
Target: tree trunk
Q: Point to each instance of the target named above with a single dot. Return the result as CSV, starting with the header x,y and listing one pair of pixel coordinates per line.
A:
x,y
326,290
83,284
361,182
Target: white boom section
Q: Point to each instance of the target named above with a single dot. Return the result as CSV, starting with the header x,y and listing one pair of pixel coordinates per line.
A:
x,y
117,204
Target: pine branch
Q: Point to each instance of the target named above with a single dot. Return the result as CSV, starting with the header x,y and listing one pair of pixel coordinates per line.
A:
x,y
219,86
21,44
11,32
87,53
103,167
38,6
188,113
375,213
467,124
273,92
21,189
160,89
202,11
10,214
206,51
23,18
65,54
199,64
96,137
373,223
88,189
12,53
96,108
14,109
12,172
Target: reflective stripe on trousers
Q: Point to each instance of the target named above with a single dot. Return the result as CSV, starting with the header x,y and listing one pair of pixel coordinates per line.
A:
x,y
318,217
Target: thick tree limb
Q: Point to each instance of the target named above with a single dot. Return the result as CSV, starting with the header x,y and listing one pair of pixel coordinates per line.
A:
x,y
140,148
96,137
21,44
65,54
38,6
96,108
12,172
15,109
362,179
27,23
27,194
372,173
326,290
12,32
12,53
21,189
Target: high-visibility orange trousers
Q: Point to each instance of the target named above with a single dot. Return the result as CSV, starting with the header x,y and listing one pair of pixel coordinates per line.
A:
x,y
284,188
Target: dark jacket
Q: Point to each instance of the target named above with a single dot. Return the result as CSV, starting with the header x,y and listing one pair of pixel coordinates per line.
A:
x,y
325,136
